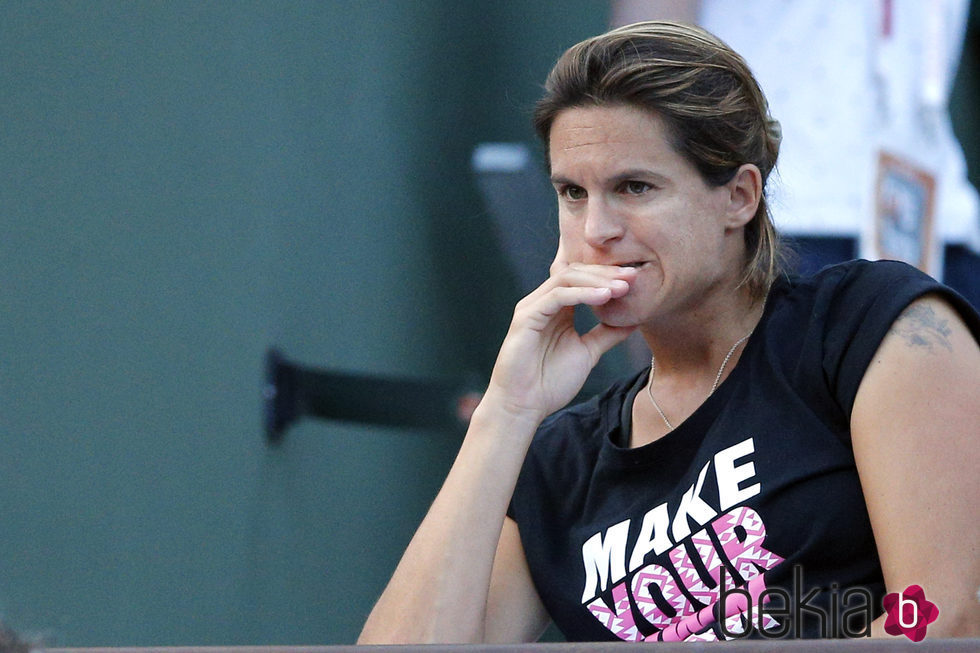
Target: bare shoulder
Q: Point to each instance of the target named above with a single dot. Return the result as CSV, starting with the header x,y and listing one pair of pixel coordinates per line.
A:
x,y
925,372
926,324
930,325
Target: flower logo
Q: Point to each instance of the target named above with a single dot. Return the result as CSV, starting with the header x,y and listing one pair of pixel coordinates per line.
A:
x,y
909,613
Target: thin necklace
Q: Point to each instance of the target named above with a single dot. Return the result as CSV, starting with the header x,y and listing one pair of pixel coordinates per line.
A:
x,y
714,386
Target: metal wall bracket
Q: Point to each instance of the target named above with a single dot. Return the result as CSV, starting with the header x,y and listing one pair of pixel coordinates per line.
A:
x,y
293,391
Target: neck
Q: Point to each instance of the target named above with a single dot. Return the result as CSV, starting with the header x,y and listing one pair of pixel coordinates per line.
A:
x,y
694,353
691,343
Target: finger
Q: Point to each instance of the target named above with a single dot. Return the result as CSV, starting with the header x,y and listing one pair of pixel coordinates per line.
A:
x,y
602,337
561,260
564,297
580,274
606,271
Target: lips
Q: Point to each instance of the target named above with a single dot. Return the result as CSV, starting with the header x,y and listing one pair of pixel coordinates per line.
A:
x,y
633,264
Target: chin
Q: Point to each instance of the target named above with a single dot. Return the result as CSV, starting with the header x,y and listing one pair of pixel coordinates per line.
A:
x,y
616,313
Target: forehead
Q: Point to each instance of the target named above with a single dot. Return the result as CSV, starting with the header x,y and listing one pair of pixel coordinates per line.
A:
x,y
608,131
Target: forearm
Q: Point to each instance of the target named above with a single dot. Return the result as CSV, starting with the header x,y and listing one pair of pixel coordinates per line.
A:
x,y
542,363
438,592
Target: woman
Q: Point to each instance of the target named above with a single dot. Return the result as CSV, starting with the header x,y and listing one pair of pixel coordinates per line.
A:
x,y
804,444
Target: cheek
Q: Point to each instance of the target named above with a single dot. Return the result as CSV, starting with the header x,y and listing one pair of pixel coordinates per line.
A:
x,y
570,241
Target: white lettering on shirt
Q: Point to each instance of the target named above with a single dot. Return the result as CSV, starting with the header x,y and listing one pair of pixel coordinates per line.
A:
x,y
604,558
653,536
692,506
604,554
729,475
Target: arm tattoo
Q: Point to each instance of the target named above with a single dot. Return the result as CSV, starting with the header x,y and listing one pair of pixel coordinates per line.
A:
x,y
920,327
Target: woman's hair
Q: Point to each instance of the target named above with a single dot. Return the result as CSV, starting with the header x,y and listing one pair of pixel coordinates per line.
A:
x,y
705,93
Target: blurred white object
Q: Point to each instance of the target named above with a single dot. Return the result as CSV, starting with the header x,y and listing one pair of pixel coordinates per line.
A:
x,y
848,80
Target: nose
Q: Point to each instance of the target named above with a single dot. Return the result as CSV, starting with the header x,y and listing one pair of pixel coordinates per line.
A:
x,y
602,224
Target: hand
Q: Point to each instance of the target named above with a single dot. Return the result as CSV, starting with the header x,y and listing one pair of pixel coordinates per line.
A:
x,y
543,361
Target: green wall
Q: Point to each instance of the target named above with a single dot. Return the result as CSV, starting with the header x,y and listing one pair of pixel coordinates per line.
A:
x,y
183,184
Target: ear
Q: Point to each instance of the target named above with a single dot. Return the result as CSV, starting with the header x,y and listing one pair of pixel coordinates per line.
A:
x,y
744,195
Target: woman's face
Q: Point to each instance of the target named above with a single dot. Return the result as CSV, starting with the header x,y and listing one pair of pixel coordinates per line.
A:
x,y
626,197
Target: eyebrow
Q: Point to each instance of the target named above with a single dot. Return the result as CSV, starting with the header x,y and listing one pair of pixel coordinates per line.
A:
x,y
626,175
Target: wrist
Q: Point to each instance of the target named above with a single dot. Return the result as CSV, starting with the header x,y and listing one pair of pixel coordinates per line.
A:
x,y
502,412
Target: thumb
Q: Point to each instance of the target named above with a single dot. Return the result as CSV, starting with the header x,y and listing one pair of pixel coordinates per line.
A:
x,y
602,337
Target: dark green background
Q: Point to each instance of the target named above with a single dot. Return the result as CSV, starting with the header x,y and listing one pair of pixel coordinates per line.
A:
x,y
186,183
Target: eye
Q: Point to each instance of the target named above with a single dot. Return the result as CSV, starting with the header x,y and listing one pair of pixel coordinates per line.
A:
x,y
635,187
573,193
